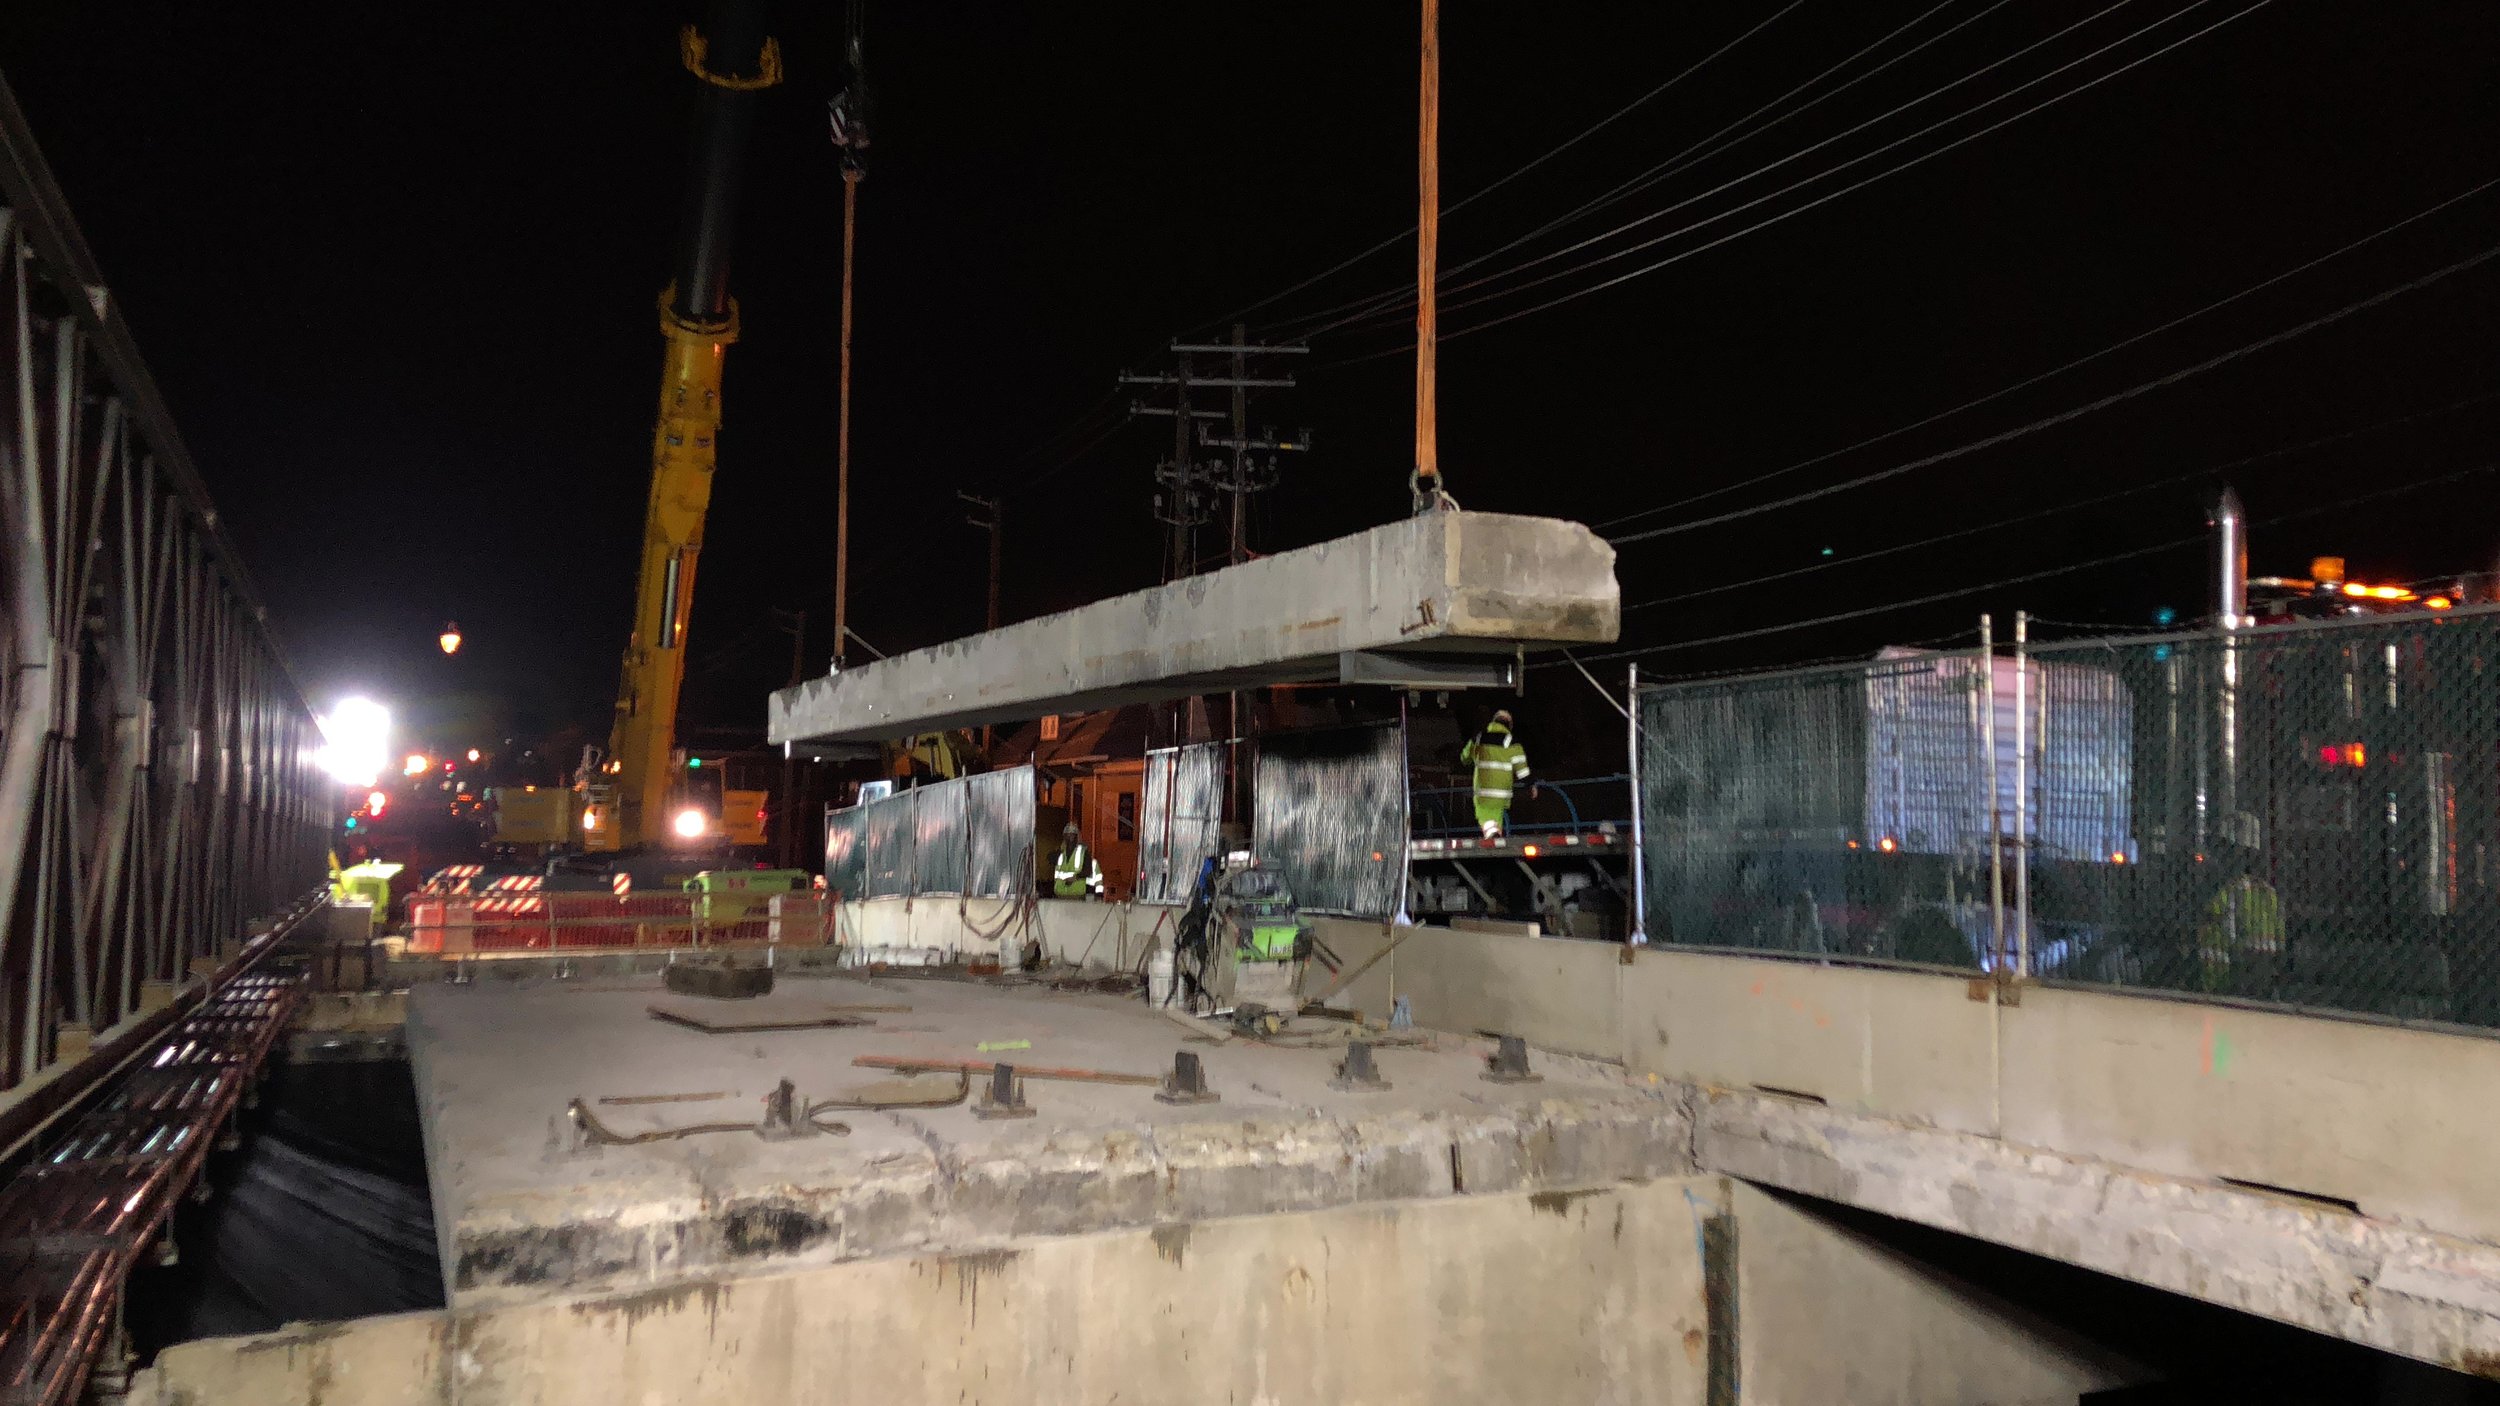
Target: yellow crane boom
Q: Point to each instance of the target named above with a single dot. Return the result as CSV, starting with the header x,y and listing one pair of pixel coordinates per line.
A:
x,y
627,793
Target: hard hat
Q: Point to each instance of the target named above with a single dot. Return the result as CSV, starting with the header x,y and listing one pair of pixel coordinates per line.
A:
x,y
1502,717
1068,829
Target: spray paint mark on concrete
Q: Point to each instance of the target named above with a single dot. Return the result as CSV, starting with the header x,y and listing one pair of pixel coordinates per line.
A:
x,y
1172,1242
970,1269
1558,1203
2218,1051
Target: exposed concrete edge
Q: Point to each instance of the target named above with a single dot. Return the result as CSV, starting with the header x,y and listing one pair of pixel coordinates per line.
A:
x,y
1369,1288
2431,1297
1067,1182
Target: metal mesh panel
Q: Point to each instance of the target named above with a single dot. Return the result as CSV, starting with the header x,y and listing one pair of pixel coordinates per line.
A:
x,y
2313,815
1331,816
1839,811
998,833
888,831
1182,819
938,838
846,857
970,836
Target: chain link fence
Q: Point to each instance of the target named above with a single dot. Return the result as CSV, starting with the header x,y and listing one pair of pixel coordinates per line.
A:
x,y
1839,810
2316,809
2304,814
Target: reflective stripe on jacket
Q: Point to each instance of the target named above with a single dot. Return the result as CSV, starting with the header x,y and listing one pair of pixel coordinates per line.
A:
x,y
1500,763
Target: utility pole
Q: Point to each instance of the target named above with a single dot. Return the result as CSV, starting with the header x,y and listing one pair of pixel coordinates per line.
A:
x,y
994,524
1427,482
1181,501
848,116
795,621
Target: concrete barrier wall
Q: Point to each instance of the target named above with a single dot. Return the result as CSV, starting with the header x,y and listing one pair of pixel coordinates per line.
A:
x,y
2341,1109
1911,1046
1356,941
1557,993
2396,1121
1558,1296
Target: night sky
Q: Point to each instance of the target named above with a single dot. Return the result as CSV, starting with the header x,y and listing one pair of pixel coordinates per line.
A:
x,y
396,270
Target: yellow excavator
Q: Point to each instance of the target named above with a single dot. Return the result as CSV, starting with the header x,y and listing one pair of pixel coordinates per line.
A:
x,y
640,791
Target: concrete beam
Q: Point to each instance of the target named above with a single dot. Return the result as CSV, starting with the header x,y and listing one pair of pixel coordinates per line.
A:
x,y
1432,597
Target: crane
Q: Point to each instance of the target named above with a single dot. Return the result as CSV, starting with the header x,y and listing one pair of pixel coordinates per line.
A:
x,y
634,793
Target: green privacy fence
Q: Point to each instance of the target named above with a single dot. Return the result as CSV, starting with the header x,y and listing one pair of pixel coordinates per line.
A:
x,y
2305,815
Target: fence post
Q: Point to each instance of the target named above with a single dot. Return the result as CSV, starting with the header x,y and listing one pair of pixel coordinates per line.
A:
x,y
2022,796
1988,773
1632,726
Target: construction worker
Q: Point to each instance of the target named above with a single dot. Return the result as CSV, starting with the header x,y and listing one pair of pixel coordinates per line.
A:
x,y
1075,875
2240,944
1500,765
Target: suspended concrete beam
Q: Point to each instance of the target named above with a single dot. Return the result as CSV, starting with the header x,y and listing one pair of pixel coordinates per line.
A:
x,y
1444,600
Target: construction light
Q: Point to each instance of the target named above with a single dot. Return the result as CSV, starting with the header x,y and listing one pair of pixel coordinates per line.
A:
x,y
1529,851
355,741
2118,856
689,824
1887,844
375,802
590,819
449,639
2440,603
418,764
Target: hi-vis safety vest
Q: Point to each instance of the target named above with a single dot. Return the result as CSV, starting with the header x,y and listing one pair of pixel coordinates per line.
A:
x,y
2245,917
1500,764
1074,872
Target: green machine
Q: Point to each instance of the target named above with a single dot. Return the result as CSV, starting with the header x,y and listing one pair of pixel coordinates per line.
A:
x,y
370,883
1256,909
727,896
1245,944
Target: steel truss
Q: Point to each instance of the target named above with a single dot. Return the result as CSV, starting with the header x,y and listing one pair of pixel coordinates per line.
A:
x,y
157,785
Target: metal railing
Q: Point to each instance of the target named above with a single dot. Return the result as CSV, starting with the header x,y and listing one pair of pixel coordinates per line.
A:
x,y
157,790
1449,810
2305,815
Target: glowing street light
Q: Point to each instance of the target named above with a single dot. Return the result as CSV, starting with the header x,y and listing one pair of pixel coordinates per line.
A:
x,y
472,754
355,741
375,801
418,764
449,639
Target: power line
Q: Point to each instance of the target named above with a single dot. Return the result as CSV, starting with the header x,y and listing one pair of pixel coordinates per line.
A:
x,y
2086,359
2078,505
1568,143
2077,412
1765,169
2026,577
1389,300
1820,200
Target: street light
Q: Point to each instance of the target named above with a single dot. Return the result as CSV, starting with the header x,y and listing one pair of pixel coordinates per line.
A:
x,y
449,639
